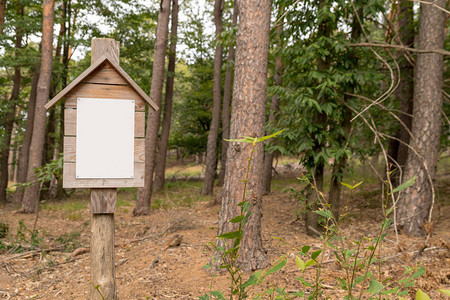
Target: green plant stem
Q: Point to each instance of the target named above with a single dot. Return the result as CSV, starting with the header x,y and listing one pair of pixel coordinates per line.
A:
x,y
350,287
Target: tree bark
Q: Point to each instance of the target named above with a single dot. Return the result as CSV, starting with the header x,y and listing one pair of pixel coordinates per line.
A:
x,y
274,108
11,113
405,90
211,147
144,194
31,195
25,149
2,14
168,100
247,119
415,207
227,89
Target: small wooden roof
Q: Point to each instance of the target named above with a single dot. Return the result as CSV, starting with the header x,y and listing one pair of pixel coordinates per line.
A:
x,y
92,68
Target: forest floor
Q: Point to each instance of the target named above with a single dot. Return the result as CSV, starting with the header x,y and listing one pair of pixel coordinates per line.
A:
x,y
148,267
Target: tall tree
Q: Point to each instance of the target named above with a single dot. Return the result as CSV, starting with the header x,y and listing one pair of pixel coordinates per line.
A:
x,y
168,101
25,148
11,109
2,14
211,153
31,195
247,119
227,89
316,167
162,30
414,209
275,101
405,90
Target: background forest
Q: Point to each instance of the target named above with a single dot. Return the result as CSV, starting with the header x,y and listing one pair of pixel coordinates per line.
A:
x,y
355,96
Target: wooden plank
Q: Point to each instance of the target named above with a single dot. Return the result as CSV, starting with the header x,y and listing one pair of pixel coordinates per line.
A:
x,y
105,74
87,90
70,123
69,180
139,124
74,83
70,152
103,201
101,47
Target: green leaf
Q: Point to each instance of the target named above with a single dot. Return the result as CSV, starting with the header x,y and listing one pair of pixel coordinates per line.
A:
x,y
343,283
346,185
350,186
418,273
300,263
325,213
316,253
244,140
375,287
263,138
358,280
204,297
447,292
230,235
421,295
404,185
305,249
236,219
218,295
356,185
253,279
276,268
310,263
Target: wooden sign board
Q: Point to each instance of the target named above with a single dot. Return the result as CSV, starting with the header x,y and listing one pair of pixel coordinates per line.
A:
x,y
104,128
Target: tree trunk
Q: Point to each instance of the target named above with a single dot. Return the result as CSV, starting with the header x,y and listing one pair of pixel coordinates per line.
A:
x,y
144,194
415,208
247,119
11,113
405,90
211,153
274,108
320,119
227,89
334,196
31,195
168,100
25,149
2,14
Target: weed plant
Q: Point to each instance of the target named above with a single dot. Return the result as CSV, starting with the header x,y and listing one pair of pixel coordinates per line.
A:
x,y
360,260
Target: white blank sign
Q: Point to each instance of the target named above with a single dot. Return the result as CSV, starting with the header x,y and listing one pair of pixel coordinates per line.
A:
x,y
105,138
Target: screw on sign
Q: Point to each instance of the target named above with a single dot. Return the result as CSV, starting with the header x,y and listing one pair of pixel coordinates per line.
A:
x,y
104,148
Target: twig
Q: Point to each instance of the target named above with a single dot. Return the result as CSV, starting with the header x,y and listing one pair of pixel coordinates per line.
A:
x,y
432,4
401,47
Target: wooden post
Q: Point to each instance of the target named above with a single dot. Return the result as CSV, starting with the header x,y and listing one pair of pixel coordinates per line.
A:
x,y
103,204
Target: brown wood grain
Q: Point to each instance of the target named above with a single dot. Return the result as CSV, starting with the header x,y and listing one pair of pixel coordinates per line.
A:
x,y
70,181
101,47
105,74
70,152
70,123
103,201
87,90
